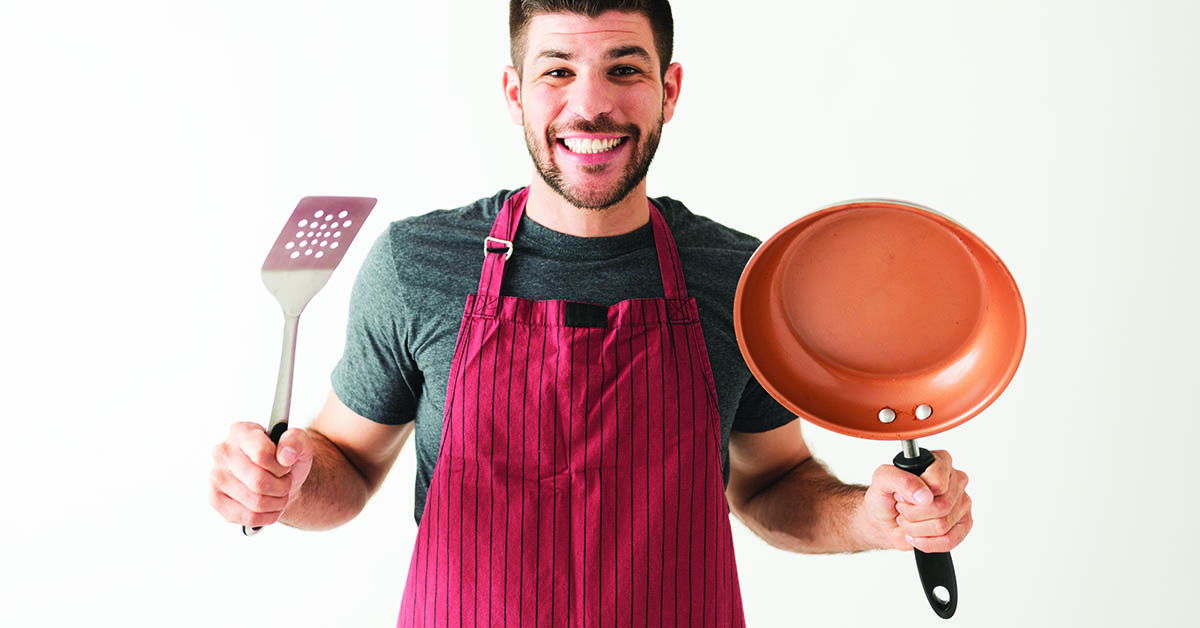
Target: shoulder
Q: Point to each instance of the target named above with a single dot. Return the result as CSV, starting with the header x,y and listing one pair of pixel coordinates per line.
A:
x,y
713,255
410,251
693,229
442,236
444,224
422,266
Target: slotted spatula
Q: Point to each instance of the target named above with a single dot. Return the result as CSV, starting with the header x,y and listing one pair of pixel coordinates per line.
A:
x,y
311,245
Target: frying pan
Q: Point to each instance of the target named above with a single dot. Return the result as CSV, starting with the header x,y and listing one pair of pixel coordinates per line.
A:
x,y
885,320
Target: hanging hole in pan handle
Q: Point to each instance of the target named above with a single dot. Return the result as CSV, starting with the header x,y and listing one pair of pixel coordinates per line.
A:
x,y
937,579
936,569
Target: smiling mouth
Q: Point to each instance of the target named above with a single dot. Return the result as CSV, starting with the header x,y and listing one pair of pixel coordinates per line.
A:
x,y
591,146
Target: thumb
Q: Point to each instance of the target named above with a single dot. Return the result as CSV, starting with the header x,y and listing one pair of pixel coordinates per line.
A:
x,y
901,485
295,446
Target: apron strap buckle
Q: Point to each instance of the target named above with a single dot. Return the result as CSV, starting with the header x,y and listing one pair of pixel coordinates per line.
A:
x,y
507,249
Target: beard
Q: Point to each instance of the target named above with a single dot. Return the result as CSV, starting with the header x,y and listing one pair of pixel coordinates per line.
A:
x,y
642,153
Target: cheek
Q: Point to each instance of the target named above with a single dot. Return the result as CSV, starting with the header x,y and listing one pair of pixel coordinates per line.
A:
x,y
645,107
540,106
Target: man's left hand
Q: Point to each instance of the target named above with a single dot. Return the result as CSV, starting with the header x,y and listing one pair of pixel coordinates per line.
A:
x,y
931,513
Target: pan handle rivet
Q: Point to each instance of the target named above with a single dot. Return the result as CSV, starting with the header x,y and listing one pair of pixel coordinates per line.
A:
x,y
924,411
887,415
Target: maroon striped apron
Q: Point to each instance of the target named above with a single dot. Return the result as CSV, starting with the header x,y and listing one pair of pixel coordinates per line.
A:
x,y
578,480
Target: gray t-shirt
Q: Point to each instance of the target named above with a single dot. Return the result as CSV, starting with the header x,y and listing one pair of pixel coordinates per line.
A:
x,y
407,304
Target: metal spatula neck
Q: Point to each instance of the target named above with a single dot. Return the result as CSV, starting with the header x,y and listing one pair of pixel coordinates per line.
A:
x,y
295,288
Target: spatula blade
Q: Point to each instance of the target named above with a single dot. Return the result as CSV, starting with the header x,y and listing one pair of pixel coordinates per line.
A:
x,y
318,233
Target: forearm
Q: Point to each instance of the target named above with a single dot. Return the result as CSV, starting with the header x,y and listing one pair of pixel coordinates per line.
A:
x,y
334,492
808,510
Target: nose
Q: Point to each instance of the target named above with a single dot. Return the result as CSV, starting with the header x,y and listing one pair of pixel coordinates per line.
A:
x,y
591,96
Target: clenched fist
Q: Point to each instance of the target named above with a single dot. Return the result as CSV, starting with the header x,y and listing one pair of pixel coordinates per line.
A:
x,y
252,479
931,513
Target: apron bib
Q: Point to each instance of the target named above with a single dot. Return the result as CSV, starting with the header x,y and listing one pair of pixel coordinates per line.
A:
x,y
578,481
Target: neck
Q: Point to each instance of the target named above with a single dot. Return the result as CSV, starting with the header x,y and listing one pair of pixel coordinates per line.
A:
x,y
547,208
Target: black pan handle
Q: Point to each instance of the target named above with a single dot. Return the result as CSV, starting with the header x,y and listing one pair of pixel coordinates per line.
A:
x,y
936,569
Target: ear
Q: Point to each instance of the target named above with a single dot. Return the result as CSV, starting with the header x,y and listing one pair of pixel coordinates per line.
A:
x,y
672,81
512,95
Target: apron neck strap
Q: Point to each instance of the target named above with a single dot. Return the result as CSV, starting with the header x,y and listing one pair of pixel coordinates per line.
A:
x,y
499,246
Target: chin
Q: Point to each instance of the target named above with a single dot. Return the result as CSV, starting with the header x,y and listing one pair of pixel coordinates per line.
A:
x,y
593,198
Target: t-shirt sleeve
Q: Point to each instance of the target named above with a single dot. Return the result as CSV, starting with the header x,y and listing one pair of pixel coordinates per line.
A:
x,y
377,376
757,411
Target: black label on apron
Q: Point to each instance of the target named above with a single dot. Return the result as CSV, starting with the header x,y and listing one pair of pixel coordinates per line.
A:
x,y
585,315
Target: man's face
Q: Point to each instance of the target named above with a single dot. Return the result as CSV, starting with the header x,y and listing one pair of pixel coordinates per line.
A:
x,y
592,103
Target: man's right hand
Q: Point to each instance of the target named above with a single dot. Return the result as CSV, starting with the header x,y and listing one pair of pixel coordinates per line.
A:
x,y
253,480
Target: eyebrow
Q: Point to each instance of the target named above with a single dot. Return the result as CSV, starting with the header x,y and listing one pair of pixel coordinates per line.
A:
x,y
615,53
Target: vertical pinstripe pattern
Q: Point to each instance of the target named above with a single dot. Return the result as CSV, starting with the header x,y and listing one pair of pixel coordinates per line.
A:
x,y
578,480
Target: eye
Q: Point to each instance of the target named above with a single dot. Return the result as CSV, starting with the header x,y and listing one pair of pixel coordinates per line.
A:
x,y
626,70
559,73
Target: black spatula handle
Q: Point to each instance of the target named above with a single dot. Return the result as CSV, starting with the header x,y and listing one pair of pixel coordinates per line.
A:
x,y
936,569
275,433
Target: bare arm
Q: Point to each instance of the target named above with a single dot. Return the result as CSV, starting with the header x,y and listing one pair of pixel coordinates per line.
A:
x,y
790,500
317,478
351,457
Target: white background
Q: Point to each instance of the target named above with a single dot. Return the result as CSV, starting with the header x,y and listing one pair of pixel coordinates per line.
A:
x,y
150,151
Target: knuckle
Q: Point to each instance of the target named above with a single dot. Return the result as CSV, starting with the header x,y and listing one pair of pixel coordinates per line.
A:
x,y
880,473
260,503
216,477
253,502
259,483
955,535
240,430
224,506
214,499
262,455
891,479
940,472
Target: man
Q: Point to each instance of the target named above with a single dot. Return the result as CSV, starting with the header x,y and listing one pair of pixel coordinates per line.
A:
x,y
583,423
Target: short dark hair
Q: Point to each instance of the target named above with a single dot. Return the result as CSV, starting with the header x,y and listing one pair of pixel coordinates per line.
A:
x,y
658,12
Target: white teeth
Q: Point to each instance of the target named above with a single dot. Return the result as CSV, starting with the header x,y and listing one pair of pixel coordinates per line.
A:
x,y
589,146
